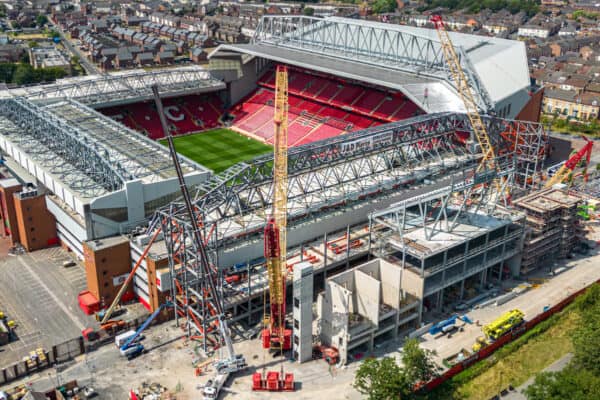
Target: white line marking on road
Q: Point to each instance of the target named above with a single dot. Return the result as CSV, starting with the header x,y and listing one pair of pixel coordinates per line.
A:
x,y
60,303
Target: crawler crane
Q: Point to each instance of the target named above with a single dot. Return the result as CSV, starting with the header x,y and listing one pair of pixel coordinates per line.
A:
x,y
275,334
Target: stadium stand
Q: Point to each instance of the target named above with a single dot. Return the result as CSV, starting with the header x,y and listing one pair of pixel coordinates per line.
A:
x,y
184,115
319,107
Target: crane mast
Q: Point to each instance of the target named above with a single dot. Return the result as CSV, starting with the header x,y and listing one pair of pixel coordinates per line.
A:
x,y
233,362
466,94
275,335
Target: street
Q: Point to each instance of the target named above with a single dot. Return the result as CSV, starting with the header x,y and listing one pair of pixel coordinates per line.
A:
x,y
89,67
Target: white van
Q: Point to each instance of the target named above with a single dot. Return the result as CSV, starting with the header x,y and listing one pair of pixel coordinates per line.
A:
x,y
123,337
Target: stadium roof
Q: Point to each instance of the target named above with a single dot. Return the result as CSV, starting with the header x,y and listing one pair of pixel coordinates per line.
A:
x,y
397,56
89,154
124,86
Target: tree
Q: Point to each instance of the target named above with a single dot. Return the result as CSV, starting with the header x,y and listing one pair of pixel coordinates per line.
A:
x,y
24,74
41,20
32,44
570,383
380,379
308,11
418,362
384,6
384,379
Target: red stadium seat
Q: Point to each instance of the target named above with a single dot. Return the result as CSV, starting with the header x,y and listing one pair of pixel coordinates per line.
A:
x,y
320,107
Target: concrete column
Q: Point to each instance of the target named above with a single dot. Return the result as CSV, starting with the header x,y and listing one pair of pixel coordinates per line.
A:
x,y
325,255
464,271
135,200
302,311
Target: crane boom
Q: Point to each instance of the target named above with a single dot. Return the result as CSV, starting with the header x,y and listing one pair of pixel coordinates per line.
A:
x,y
571,164
233,362
121,291
466,93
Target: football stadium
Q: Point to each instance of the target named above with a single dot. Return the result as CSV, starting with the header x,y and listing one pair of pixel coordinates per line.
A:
x,y
374,118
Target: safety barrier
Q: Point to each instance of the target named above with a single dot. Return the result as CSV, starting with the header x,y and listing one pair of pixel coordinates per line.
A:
x,y
490,349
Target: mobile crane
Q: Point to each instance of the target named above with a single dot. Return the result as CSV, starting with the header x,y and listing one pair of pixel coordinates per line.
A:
x,y
571,164
232,362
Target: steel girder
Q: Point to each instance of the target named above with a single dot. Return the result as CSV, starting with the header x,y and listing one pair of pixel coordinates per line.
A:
x,y
127,85
138,155
326,174
440,210
375,44
84,164
345,168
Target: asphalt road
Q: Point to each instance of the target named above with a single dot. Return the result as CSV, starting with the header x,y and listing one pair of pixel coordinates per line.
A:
x,y
41,297
89,67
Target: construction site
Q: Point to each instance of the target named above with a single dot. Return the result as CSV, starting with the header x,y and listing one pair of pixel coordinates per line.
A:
x,y
281,273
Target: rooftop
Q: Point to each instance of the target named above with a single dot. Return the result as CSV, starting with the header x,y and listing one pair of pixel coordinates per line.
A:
x,y
321,44
548,200
58,135
469,225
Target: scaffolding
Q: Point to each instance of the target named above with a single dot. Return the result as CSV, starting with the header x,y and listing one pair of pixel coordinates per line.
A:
x,y
552,227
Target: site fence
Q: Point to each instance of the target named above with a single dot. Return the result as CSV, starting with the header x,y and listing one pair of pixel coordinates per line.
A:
x,y
68,350
489,350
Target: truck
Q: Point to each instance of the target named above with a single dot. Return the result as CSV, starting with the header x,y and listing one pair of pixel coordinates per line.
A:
x,y
121,339
132,351
213,386
504,324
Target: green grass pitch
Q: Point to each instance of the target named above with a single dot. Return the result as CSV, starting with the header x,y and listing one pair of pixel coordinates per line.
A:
x,y
219,149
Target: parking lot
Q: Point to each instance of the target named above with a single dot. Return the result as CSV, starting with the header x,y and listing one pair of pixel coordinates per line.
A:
x,y
40,295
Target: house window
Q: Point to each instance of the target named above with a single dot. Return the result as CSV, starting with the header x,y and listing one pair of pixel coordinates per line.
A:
x,y
296,302
296,324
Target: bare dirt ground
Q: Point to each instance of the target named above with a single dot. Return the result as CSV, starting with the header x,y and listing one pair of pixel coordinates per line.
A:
x,y
169,360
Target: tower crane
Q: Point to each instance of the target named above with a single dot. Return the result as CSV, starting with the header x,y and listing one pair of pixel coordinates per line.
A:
x,y
275,335
466,94
571,164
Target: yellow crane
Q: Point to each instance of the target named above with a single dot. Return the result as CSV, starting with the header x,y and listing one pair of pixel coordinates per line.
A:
x,y
280,175
466,93
275,334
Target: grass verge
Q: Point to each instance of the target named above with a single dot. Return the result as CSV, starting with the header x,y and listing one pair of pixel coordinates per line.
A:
x,y
219,149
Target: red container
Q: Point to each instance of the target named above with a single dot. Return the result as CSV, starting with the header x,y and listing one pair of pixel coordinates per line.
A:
x,y
257,381
288,383
88,303
266,338
273,381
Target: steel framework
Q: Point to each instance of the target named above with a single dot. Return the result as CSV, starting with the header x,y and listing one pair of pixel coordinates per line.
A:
x,y
325,177
124,86
88,151
439,210
63,150
368,43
